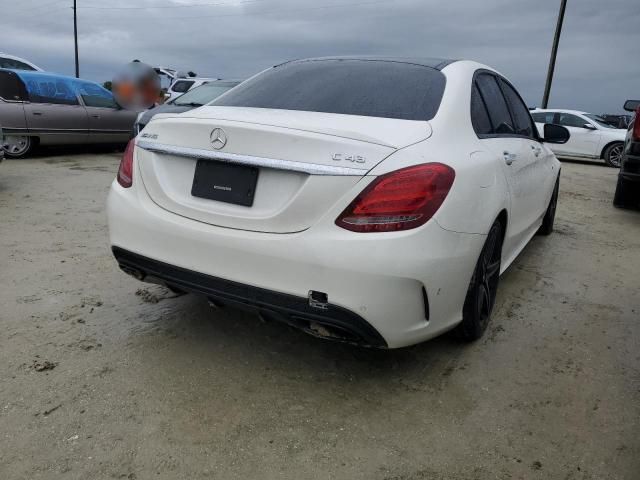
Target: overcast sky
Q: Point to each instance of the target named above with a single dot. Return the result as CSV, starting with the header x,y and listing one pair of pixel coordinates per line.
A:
x,y
597,69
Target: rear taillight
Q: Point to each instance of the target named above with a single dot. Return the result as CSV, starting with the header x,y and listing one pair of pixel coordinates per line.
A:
x,y
636,125
125,172
399,200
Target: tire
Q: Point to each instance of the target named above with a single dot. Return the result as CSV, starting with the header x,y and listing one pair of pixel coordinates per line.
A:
x,y
550,215
625,196
481,294
17,146
613,154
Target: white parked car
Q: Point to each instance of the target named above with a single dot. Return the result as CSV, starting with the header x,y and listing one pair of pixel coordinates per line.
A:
x,y
182,85
16,63
592,138
369,200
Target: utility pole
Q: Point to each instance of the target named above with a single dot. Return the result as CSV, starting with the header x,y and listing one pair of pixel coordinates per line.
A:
x,y
75,36
554,53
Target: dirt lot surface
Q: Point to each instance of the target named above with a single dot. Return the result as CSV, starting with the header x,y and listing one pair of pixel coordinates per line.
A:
x,y
105,377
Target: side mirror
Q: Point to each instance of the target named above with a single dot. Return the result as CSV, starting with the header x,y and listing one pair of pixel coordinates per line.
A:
x,y
555,133
589,126
631,105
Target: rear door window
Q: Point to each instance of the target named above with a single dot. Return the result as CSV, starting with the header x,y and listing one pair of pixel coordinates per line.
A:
x,y
519,111
50,89
373,88
11,87
496,104
570,120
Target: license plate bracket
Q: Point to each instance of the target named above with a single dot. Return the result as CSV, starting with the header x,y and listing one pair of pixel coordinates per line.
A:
x,y
225,182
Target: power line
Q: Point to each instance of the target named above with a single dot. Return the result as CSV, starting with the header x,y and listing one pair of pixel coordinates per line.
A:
x,y
258,13
191,5
39,7
290,10
48,12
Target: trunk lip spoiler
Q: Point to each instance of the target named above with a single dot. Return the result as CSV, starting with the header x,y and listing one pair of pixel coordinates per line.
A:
x,y
250,160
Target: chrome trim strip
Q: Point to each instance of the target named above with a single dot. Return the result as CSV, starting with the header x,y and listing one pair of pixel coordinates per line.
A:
x,y
578,156
291,165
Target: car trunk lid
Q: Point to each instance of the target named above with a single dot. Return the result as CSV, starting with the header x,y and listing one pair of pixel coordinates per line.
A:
x,y
307,161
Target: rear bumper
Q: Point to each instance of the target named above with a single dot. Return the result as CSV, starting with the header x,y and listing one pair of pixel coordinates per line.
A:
x,y
375,279
331,321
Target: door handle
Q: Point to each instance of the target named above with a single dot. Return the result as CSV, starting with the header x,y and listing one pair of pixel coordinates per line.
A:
x,y
95,116
509,158
536,150
38,113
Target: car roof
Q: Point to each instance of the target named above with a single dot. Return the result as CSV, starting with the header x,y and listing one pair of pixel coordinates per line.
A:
x,y
437,63
560,110
225,80
21,73
25,74
198,79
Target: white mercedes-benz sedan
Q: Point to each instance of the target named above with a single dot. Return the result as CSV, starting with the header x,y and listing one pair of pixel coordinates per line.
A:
x,y
368,200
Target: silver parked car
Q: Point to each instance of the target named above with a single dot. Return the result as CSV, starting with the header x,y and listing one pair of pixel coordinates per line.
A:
x,y
49,109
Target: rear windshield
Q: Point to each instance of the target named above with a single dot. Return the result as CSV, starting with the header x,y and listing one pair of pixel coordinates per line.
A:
x,y
14,64
371,88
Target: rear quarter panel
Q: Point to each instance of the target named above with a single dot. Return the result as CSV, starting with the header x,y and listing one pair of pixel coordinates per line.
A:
x,y
479,190
478,193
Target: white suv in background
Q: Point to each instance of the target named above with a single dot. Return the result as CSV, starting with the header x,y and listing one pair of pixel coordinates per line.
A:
x,y
591,137
183,84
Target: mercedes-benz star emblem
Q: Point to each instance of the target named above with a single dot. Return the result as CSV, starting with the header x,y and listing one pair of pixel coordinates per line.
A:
x,y
218,138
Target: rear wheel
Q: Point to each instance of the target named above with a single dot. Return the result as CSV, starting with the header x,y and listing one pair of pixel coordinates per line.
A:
x,y
613,154
550,215
17,146
481,295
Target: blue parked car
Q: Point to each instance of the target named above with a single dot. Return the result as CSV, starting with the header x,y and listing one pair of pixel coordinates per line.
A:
x,y
49,109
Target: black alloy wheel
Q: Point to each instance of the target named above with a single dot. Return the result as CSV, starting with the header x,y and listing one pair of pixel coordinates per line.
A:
x,y
613,155
481,295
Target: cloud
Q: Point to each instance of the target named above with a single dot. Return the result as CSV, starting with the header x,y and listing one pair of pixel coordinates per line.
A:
x,y
596,70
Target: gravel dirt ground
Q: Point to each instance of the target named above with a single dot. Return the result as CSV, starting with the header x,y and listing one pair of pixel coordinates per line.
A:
x,y
105,377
